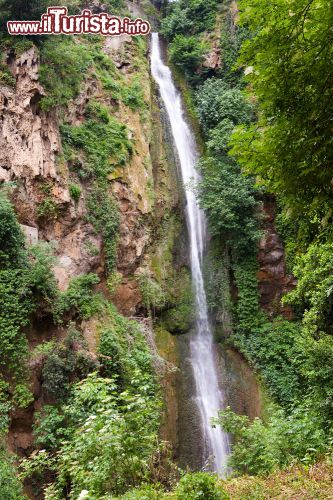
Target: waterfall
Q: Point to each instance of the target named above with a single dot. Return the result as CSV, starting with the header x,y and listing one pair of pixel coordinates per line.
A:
x,y
209,396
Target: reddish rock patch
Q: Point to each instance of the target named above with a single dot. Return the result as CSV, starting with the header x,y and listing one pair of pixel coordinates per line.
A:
x,y
274,282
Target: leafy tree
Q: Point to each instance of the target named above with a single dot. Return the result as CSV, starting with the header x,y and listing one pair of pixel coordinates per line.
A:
x,y
229,200
187,53
177,22
23,10
217,103
290,72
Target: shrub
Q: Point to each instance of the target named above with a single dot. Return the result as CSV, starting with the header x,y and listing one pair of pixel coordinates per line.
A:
x,y
63,67
49,428
42,281
10,486
199,485
179,319
66,363
11,236
187,53
132,96
188,17
154,297
6,76
104,216
217,102
103,140
229,200
48,209
115,440
75,191
260,447
148,492
15,309
125,354
79,299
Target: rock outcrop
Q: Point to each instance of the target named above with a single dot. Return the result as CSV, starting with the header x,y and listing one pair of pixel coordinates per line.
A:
x,y
274,282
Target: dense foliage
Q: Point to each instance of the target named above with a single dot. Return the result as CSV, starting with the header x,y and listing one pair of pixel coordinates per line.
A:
x,y
281,136
109,423
98,435
290,57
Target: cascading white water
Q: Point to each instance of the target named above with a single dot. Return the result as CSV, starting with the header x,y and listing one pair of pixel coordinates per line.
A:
x,y
208,393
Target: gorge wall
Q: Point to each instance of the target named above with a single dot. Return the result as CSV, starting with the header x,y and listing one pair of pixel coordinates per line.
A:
x,y
46,180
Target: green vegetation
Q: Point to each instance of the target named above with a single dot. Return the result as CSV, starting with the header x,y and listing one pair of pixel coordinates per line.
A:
x,y
10,486
187,53
280,136
103,140
22,10
267,132
64,65
105,145
184,26
198,486
290,147
64,365
6,76
75,191
103,434
103,215
79,300
26,285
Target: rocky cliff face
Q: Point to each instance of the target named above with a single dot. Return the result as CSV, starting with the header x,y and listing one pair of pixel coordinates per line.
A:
x,y
31,156
273,280
145,189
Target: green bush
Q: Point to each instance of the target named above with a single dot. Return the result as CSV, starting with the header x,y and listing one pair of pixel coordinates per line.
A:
x,y
79,300
132,96
66,363
188,17
11,237
48,209
49,428
216,101
75,191
103,140
231,204
260,448
103,215
199,485
64,65
6,76
187,53
125,354
10,486
179,319
148,492
153,295
111,440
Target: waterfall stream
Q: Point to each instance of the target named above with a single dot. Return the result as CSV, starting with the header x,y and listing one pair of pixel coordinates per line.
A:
x,y
209,395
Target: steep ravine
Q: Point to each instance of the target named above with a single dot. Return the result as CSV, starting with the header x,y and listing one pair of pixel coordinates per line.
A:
x,y
151,279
